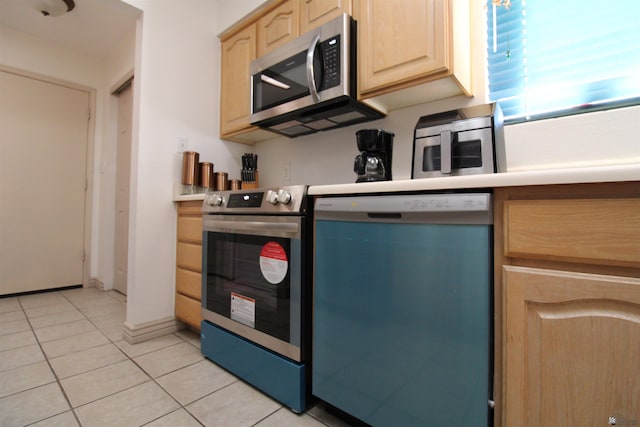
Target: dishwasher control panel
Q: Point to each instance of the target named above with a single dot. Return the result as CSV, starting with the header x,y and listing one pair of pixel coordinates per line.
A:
x,y
407,203
450,208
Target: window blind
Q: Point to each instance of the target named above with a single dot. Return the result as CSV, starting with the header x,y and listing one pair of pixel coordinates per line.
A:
x,y
549,58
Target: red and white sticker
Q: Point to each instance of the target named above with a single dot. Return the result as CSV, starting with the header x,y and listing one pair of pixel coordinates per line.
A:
x,y
273,262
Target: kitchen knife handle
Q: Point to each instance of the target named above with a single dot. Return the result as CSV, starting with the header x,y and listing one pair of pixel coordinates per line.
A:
x,y
445,152
311,81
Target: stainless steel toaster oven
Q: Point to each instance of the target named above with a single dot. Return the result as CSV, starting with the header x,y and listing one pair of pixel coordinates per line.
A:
x,y
465,141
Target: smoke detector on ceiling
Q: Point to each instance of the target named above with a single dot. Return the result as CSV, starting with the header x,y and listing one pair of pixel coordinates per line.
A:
x,y
53,7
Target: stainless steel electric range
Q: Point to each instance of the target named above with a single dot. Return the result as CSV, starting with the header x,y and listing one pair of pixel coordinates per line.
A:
x,y
256,288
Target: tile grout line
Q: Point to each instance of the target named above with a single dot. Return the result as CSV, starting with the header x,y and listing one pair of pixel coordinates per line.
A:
x,y
182,339
151,378
55,375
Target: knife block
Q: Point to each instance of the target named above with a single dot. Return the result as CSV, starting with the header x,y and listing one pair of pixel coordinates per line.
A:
x,y
251,184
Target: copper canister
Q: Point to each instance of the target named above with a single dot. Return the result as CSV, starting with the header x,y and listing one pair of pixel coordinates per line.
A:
x,y
190,168
221,182
235,184
206,175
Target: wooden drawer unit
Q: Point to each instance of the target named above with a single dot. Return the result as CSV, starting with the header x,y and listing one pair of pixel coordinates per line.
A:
x,y
601,231
189,283
189,256
189,263
567,306
188,310
190,229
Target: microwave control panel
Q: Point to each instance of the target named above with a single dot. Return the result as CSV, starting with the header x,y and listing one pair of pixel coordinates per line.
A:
x,y
331,57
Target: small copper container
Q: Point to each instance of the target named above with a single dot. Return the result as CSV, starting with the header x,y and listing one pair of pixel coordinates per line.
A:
x,y
206,175
221,182
190,168
235,184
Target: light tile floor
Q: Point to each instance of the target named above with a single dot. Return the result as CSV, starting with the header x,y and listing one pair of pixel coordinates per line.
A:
x,y
63,362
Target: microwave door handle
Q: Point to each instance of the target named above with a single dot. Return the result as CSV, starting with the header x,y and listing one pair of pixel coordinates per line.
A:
x,y
445,152
311,81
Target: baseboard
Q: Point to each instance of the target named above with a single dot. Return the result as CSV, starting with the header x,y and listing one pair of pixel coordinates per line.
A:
x,y
95,283
134,334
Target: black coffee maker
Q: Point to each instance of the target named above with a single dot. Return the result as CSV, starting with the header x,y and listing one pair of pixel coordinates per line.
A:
x,y
374,161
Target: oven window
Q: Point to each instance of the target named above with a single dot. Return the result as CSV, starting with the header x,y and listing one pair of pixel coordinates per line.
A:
x,y
281,83
256,270
464,155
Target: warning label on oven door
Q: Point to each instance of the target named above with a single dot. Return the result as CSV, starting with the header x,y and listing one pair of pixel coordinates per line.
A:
x,y
243,309
273,262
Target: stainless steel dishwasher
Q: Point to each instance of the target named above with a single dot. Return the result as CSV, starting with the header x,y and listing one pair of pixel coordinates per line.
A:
x,y
402,309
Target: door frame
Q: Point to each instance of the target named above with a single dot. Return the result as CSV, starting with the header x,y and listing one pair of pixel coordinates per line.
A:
x,y
89,167
127,80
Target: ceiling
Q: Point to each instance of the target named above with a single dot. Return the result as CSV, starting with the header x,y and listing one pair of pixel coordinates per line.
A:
x,y
92,27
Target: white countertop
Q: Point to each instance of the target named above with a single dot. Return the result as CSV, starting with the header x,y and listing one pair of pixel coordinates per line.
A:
x,y
616,173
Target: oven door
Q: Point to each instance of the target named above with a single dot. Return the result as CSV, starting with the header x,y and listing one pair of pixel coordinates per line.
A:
x,y
454,153
252,279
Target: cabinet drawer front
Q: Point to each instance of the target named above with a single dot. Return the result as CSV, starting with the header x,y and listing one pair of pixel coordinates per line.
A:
x,y
596,231
189,283
189,256
188,310
190,228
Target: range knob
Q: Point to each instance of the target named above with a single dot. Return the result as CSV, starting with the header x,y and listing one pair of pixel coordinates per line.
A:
x,y
272,197
214,199
284,197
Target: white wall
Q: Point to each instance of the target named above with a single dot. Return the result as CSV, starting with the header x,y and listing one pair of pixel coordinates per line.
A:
x,y
176,98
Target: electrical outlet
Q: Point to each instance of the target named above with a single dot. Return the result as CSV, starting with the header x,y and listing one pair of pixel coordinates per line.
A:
x,y
183,144
286,173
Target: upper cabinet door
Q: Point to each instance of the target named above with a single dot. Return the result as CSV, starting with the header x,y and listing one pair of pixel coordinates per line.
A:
x,y
314,13
237,53
402,40
278,26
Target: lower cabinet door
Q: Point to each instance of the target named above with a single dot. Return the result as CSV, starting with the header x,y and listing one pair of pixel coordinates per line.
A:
x,y
572,342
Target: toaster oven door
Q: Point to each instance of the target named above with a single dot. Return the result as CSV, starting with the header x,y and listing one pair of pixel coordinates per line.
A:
x,y
454,153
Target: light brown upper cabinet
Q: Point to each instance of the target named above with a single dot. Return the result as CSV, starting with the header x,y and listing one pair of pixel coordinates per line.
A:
x,y
237,52
278,26
413,51
314,13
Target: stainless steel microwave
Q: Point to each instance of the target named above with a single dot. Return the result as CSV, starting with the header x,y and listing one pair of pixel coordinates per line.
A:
x,y
309,84
465,141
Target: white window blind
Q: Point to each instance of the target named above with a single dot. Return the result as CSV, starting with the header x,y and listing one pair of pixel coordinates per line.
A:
x,y
549,58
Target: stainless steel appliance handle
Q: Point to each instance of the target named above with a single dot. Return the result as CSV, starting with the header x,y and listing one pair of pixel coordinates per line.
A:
x,y
282,227
445,152
311,81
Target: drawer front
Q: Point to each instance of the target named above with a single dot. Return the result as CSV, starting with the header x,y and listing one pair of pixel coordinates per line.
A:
x,y
189,256
189,283
190,228
188,310
191,207
594,231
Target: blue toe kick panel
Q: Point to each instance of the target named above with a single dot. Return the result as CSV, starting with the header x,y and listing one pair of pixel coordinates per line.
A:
x,y
280,378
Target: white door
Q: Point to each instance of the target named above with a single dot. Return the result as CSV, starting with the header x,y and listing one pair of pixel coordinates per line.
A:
x,y
123,174
43,148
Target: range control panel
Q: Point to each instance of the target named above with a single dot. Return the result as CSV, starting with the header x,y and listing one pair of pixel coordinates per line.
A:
x,y
268,201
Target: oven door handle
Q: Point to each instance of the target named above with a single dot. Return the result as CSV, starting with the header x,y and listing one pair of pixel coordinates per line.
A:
x,y
231,226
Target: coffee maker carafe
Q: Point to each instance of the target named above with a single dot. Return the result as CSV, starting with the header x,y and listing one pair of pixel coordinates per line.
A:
x,y
374,161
